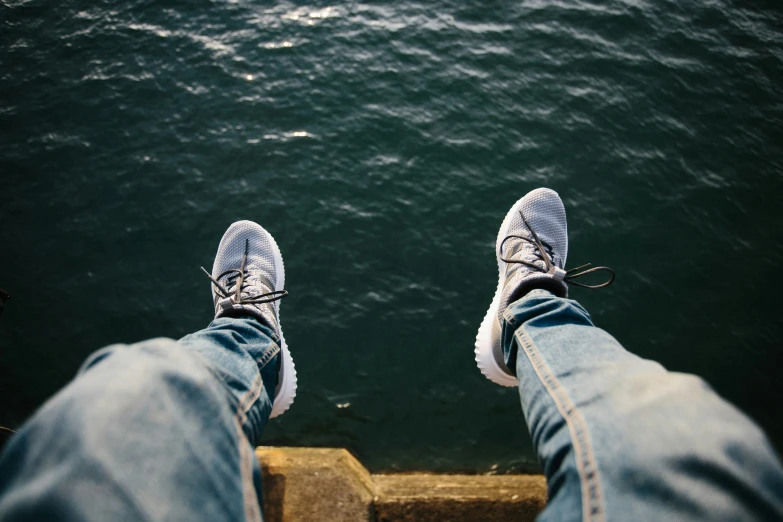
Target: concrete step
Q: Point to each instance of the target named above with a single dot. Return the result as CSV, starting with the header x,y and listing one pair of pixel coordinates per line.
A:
x,y
324,484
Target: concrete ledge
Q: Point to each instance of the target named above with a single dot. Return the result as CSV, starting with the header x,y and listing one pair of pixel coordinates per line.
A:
x,y
458,498
310,484
314,484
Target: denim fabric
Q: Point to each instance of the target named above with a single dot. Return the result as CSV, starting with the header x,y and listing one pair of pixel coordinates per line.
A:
x,y
158,430
620,438
164,430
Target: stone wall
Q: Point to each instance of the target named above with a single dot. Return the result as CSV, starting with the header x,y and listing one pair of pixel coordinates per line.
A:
x,y
315,484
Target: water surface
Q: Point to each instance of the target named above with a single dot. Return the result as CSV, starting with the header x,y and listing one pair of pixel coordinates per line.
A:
x,y
382,145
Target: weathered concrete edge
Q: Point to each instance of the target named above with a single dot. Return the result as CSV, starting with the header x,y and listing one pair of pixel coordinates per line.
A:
x,y
330,484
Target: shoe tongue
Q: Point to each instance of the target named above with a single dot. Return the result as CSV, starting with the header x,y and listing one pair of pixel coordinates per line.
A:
x,y
518,248
521,250
255,283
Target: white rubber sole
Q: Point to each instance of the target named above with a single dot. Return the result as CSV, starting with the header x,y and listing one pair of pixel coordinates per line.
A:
x,y
287,381
485,359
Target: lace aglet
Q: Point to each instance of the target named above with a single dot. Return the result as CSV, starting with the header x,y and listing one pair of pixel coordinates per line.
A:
x,y
219,289
588,265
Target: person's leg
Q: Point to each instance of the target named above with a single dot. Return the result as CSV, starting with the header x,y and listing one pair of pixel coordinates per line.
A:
x,y
165,430
153,431
620,438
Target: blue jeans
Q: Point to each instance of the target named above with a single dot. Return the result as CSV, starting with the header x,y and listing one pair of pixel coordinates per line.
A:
x,y
165,430
159,430
620,438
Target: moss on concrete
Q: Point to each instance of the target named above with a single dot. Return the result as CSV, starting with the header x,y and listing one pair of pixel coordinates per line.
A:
x,y
321,484
311,484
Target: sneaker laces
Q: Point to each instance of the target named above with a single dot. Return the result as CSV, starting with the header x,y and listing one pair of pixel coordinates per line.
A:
x,y
543,252
239,280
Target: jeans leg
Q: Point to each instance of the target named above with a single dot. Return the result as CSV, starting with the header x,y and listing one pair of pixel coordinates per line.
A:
x,y
158,430
620,438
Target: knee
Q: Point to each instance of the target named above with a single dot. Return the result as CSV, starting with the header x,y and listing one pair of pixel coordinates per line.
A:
x,y
150,379
675,421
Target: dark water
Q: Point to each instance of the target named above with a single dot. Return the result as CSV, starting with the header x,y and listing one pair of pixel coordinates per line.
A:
x,y
382,145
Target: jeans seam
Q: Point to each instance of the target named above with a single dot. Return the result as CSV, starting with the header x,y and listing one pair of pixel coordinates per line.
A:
x,y
247,400
267,356
592,505
249,496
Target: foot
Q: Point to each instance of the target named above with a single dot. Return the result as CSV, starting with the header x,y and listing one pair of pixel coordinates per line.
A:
x,y
531,251
248,279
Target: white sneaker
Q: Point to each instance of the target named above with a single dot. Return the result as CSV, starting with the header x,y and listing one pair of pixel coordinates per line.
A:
x,y
248,279
531,251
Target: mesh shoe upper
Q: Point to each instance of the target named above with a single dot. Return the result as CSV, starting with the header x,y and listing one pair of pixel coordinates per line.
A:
x,y
545,213
245,239
531,249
